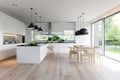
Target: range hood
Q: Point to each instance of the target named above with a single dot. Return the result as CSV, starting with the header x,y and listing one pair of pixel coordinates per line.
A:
x,y
49,28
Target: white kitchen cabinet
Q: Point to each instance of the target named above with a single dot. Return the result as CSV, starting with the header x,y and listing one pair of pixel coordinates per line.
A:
x,y
11,25
8,50
7,53
61,48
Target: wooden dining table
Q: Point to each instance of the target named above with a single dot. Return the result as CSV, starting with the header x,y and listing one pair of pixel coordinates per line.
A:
x,y
84,47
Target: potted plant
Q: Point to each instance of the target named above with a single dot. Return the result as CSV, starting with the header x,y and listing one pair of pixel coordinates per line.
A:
x,y
55,38
33,43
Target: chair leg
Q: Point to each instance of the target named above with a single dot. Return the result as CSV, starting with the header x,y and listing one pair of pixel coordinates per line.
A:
x,y
92,59
77,58
81,58
88,59
69,56
52,51
99,58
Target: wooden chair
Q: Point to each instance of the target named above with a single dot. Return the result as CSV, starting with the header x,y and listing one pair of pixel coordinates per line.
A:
x,y
87,54
74,51
51,49
97,53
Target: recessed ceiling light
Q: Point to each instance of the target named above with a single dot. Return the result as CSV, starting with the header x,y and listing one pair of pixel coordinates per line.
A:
x,y
14,5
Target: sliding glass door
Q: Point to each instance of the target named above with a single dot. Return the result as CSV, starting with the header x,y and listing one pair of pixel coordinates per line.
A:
x,y
106,34
112,36
98,34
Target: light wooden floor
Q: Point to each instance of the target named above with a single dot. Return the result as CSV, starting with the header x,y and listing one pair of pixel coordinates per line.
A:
x,y
58,67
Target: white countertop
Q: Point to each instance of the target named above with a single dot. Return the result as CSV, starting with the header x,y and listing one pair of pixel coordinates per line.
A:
x,y
10,46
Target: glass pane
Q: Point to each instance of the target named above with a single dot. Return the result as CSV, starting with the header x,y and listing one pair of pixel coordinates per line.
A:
x,y
100,33
112,36
62,37
97,35
41,37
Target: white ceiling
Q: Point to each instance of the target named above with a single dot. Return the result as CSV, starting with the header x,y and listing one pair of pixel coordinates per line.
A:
x,y
57,10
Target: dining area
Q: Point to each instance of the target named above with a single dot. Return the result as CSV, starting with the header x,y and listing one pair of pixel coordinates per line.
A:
x,y
85,54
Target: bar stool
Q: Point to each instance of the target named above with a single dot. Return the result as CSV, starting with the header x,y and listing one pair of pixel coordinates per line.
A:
x,y
51,49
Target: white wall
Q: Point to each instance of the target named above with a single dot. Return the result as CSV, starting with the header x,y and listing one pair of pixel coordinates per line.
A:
x,y
44,26
56,28
59,27
28,34
84,39
1,38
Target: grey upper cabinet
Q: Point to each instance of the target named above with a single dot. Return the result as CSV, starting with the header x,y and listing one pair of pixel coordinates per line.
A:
x,y
56,27
61,26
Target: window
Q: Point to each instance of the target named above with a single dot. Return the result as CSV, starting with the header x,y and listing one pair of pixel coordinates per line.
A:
x,y
45,37
97,34
41,37
67,36
106,34
112,36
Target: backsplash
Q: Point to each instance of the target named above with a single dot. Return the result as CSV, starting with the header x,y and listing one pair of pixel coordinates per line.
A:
x,y
12,38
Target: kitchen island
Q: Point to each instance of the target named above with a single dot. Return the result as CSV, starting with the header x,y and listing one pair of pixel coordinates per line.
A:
x,y
31,54
35,54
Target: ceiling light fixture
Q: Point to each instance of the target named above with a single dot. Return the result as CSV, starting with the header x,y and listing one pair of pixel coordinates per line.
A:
x,y
82,31
31,26
79,25
40,29
35,27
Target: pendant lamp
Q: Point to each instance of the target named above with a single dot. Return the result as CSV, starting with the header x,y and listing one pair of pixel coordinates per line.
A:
x,y
40,29
35,27
82,31
31,26
79,24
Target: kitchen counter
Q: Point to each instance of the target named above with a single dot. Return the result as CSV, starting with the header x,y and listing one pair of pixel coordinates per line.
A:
x,y
27,45
61,48
57,42
10,46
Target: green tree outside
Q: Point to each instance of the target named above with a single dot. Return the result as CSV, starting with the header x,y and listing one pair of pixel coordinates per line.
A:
x,y
112,33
